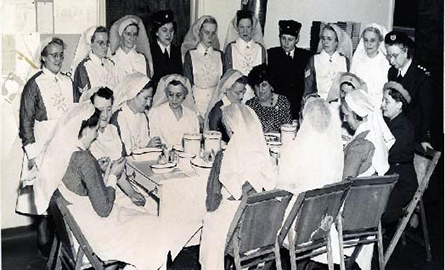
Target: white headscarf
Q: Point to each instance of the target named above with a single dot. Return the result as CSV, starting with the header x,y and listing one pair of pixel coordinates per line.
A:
x,y
344,46
246,157
161,98
360,53
232,32
129,88
224,84
361,103
334,92
191,40
142,44
83,48
57,153
315,157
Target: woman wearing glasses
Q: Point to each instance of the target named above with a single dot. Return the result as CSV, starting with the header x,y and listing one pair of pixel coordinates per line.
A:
x,y
92,66
414,78
45,98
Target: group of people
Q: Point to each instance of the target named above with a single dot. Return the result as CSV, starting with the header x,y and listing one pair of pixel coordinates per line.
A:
x,y
359,114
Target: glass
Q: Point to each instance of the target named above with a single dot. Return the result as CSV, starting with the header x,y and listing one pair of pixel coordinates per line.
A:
x,y
395,55
102,43
60,55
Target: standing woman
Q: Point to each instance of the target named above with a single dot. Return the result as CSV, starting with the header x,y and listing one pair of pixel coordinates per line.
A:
x,y
244,46
46,97
130,47
401,155
203,61
166,55
415,79
369,61
334,54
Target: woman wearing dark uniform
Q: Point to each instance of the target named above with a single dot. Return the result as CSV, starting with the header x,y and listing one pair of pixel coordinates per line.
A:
x,y
166,56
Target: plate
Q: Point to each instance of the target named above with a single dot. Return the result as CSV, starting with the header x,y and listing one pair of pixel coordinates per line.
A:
x,y
163,168
146,150
272,137
199,162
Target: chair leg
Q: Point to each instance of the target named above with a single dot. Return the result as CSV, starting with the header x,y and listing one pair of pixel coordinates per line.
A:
x,y
293,257
380,247
426,238
236,256
53,253
340,241
329,253
277,255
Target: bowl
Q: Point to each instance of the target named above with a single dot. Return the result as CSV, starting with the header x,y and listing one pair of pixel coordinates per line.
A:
x,y
201,166
272,136
184,159
146,154
274,144
163,168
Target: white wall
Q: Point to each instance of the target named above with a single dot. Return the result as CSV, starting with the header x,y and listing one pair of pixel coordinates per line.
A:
x,y
364,11
68,19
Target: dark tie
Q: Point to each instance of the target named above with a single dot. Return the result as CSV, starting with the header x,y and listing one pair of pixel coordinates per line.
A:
x,y
289,56
166,54
399,77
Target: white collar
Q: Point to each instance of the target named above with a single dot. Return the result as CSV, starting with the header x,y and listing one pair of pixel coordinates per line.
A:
x,y
203,50
132,51
244,44
291,53
50,74
325,56
163,48
225,100
362,128
96,59
405,68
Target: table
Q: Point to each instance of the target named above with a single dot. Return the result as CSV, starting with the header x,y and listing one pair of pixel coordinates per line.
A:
x,y
180,196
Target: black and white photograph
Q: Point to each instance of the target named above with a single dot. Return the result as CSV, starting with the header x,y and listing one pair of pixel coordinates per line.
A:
x,y
219,135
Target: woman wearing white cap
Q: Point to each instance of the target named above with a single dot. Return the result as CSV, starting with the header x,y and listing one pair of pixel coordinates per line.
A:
x,y
130,47
203,61
92,68
334,55
369,61
367,153
174,111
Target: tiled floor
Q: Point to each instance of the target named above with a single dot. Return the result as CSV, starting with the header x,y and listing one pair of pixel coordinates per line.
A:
x,y
19,251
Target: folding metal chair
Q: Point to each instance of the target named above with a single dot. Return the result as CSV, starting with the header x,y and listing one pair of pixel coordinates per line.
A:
x,y
252,236
424,164
63,252
359,224
313,214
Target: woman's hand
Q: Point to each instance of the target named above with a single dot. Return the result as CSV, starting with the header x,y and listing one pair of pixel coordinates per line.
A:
x,y
155,142
138,199
103,163
118,167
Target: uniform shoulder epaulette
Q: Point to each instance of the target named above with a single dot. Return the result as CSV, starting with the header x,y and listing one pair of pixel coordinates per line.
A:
x,y
427,73
68,74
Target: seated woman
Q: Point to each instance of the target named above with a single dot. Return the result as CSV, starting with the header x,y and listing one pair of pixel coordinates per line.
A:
x,y
108,145
69,166
244,47
173,113
272,109
401,154
130,48
203,61
315,157
367,153
230,90
244,166
334,54
134,96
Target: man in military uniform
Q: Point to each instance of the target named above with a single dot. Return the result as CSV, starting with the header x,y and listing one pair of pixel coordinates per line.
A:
x,y
287,64
414,78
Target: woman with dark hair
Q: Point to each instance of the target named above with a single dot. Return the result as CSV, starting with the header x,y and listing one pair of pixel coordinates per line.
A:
x,y
130,48
203,61
45,98
334,55
272,109
166,55
415,79
88,187
401,155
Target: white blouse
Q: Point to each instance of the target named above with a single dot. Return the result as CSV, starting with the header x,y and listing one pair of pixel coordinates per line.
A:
x,y
326,68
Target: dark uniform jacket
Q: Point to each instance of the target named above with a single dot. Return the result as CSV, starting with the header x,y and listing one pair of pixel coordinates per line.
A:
x,y
164,66
419,85
289,75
